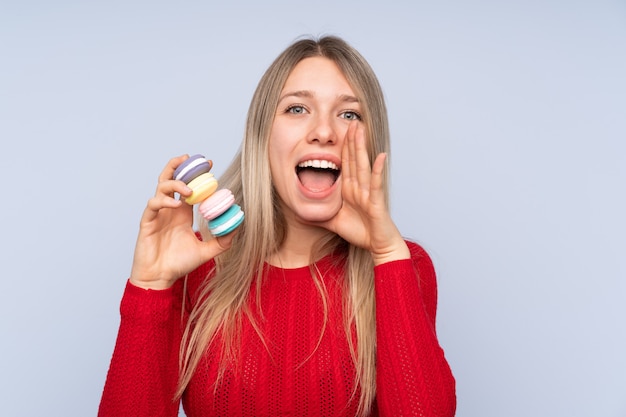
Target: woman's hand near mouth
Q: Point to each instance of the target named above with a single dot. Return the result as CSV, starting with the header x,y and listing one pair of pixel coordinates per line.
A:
x,y
364,219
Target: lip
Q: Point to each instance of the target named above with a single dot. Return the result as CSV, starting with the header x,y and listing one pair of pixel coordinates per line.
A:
x,y
319,195
323,157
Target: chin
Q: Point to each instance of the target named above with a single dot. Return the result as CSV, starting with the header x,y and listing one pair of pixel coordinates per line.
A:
x,y
317,213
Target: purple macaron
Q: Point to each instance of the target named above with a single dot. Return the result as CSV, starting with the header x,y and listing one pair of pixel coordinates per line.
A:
x,y
193,167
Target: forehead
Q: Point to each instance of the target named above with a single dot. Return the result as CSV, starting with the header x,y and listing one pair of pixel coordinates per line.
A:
x,y
317,73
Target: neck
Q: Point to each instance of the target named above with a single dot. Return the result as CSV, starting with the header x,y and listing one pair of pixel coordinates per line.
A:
x,y
295,252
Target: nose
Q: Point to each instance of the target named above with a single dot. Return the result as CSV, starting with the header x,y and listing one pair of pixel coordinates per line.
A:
x,y
323,130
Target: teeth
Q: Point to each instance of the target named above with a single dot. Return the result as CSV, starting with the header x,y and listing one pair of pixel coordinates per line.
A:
x,y
317,163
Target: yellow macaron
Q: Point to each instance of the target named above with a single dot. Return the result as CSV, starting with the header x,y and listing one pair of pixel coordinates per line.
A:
x,y
202,186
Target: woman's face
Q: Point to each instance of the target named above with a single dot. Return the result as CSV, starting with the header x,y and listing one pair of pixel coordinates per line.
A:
x,y
314,110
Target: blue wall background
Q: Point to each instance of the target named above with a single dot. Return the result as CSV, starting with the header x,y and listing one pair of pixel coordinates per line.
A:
x,y
509,166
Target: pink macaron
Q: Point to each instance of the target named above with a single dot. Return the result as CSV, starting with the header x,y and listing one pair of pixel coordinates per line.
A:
x,y
216,204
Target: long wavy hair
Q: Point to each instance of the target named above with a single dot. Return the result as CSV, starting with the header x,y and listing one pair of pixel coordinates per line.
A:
x,y
223,298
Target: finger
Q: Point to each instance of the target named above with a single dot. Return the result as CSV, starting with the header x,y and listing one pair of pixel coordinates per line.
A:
x,y
164,198
172,164
348,164
162,201
156,204
362,161
376,185
352,161
345,157
169,187
217,246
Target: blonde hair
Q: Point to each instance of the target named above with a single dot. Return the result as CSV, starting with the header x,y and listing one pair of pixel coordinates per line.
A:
x,y
223,299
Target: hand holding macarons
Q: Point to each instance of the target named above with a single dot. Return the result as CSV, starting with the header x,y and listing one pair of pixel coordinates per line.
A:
x,y
167,247
219,207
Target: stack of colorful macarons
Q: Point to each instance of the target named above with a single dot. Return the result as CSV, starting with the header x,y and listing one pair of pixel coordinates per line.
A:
x,y
218,207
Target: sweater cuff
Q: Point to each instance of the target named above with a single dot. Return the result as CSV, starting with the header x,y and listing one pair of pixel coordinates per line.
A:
x,y
393,270
139,303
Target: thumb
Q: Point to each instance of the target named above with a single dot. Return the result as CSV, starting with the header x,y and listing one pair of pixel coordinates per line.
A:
x,y
217,246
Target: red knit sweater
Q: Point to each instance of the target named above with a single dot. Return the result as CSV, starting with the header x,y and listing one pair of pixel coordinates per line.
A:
x,y
293,375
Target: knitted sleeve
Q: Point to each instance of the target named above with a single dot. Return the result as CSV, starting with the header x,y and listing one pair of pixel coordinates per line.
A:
x,y
143,373
413,376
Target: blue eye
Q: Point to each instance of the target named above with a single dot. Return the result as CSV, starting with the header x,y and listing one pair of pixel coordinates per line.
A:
x,y
296,109
351,115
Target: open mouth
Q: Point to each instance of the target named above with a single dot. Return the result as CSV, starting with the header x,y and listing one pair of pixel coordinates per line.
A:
x,y
317,175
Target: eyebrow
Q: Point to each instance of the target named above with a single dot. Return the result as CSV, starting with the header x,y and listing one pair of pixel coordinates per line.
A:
x,y
349,99
299,93
308,94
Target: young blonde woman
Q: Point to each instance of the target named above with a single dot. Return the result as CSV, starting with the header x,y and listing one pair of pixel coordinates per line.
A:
x,y
316,306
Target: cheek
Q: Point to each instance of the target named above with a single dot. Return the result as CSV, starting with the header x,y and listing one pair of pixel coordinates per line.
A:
x,y
281,144
276,159
279,164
